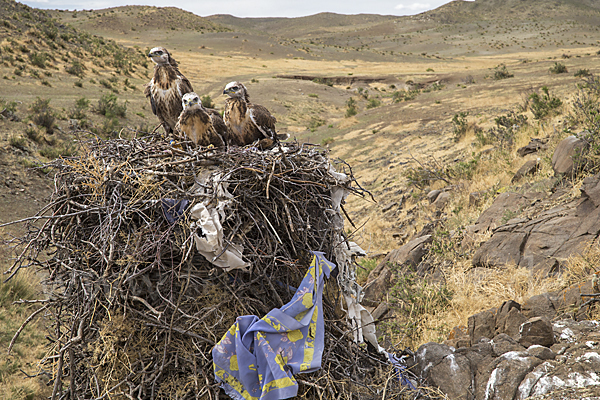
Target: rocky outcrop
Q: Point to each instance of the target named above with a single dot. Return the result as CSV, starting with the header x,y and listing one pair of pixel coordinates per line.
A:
x,y
549,235
381,278
558,360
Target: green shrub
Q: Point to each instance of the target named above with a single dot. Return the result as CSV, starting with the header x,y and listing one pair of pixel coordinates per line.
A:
x,y
405,95
351,108
411,298
78,111
544,104
38,59
558,68
326,141
582,73
372,103
207,101
76,68
43,114
315,122
108,106
460,125
501,72
19,142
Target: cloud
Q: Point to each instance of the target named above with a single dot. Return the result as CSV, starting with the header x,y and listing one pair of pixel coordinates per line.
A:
x,y
414,6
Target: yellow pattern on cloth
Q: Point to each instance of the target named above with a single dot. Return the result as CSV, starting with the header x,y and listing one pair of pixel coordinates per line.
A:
x,y
257,358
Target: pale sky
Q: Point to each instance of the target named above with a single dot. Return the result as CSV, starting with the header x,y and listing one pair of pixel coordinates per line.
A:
x,y
259,8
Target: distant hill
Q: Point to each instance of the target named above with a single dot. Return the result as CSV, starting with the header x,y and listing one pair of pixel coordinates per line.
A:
x,y
582,11
296,27
30,40
128,19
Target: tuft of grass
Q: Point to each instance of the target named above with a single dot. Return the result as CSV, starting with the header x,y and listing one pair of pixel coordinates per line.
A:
x,y
316,96
501,72
373,103
543,104
108,106
207,101
351,107
558,68
43,114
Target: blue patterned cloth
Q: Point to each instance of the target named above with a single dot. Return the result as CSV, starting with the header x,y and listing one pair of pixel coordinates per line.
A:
x,y
257,358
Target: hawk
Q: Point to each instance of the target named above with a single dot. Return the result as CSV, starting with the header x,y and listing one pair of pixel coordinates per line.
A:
x,y
248,122
166,88
202,126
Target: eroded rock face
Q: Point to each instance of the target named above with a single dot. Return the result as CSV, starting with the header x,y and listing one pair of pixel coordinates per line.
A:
x,y
541,241
381,278
577,366
559,360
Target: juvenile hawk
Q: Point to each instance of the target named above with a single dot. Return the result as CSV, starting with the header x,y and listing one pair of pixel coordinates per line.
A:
x,y
166,88
202,126
247,122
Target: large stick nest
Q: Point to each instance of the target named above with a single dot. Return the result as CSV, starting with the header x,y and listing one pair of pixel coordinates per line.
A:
x,y
134,310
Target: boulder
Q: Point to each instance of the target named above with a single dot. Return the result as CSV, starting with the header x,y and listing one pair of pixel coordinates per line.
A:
x,y
574,373
542,305
503,343
458,337
441,201
562,159
482,325
508,372
537,330
441,367
541,352
529,168
509,319
533,146
431,196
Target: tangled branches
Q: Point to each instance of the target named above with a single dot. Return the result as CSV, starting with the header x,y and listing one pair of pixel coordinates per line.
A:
x,y
134,309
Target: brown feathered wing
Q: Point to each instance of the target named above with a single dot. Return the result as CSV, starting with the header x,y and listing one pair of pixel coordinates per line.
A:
x,y
165,91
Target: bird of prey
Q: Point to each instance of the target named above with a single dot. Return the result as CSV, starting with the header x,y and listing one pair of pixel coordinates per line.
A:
x,y
202,126
248,122
166,88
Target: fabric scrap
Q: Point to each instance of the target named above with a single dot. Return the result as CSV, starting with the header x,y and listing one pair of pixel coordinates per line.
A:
x,y
174,209
210,242
257,358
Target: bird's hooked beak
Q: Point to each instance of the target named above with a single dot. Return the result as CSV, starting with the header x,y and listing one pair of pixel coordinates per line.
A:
x,y
227,91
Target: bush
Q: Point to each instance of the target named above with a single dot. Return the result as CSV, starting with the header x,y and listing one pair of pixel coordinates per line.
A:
x,y
411,298
78,110
38,59
460,125
18,142
405,95
43,114
76,68
582,73
502,73
558,68
542,105
351,108
207,101
108,106
372,103
315,122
